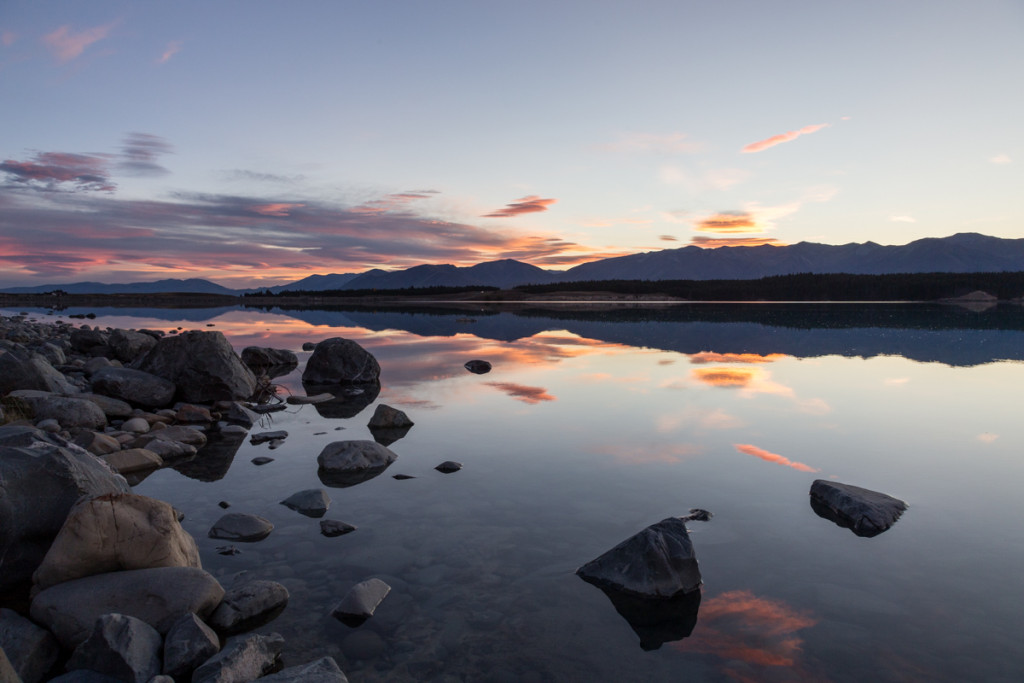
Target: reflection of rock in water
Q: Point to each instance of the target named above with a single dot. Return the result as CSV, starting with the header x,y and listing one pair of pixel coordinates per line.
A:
x,y
349,401
340,479
214,459
389,435
864,512
657,620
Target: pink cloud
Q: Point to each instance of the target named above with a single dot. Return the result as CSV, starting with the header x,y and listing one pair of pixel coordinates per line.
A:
x,y
768,456
8,38
715,242
172,49
530,204
521,392
51,169
762,145
67,45
276,209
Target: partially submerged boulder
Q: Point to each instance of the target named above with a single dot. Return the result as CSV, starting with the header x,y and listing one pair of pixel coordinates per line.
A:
x,y
249,606
346,463
658,562
386,417
237,526
260,358
310,502
340,361
361,602
864,512
203,366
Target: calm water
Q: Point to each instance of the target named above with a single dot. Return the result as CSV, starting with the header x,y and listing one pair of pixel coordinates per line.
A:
x,y
593,426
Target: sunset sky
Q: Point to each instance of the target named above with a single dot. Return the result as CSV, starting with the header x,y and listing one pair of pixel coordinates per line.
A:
x,y
259,142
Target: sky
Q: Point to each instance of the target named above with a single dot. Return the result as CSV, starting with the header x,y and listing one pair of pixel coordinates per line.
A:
x,y
255,143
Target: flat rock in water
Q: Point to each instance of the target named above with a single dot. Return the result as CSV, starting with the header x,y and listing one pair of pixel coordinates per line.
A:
x,y
157,596
311,502
478,367
263,408
262,460
323,670
244,658
263,437
249,606
306,400
657,562
361,601
449,466
237,526
120,646
866,513
334,527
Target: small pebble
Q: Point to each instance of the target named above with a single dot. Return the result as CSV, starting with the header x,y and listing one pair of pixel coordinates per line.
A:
x,y
449,466
262,460
228,550
224,504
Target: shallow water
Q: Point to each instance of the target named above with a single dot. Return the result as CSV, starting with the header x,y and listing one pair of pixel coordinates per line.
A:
x,y
592,426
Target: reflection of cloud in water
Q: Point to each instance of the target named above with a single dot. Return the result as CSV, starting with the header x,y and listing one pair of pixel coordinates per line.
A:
x,y
631,454
753,381
987,437
693,417
521,392
741,626
711,357
725,377
895,381
773,457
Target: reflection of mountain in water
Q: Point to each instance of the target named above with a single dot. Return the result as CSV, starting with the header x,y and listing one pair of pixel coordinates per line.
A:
x,y
919,332
192,315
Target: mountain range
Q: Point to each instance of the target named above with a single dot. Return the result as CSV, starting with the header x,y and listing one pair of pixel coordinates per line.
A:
x,y
960,253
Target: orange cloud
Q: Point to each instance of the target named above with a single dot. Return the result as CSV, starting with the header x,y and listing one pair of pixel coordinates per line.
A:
x,y
530,204
725,377
276,209
762,145
715,242
67,45
772,457
521,392
711,357
729,222
738,625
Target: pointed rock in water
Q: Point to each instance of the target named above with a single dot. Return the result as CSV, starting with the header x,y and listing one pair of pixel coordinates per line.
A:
x,y
478,367
449,466
360,602
386,417
657,562
236,526
311,502
333,527
866,513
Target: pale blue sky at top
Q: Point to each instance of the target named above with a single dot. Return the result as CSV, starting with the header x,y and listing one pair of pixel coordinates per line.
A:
x,y
259,142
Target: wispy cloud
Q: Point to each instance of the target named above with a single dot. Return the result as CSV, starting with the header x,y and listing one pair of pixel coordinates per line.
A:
x,y
67,45
668,238
987,437
530,204
729,222
1001,159
768,456
60,171
522,392
641,143
762,145
173,48
392,202
139,154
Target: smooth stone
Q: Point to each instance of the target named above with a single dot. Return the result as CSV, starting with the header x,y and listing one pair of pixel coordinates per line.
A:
x,y
244,658
189,643
334,527
323,670
866,513
132,460
48,425
120,646
236,526
449,466
361,601
308,346
70,412
136,425
97,443
234,430
157,596
249,606
311,502
191,413
32,650
261,460
337,361
113,408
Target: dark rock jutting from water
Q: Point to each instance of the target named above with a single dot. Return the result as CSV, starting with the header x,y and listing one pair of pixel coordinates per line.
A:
x,y
346,463
478,367
864,512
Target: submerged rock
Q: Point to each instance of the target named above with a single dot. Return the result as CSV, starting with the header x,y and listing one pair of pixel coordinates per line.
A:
x,y
248,606
361,602
334,527
236,526
449,466
311,502
658,562
864,512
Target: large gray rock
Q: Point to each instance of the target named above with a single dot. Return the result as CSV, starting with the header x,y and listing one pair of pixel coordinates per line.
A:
x,y
864,512
134,386
657,562
244,658
39,483
126,345
340,361
32,650
22,369
323,670
70,412
157,596
113,408
189,643
249,606
344,463
120,646
85,339
361,602
116,532
311,502
202,365
237,526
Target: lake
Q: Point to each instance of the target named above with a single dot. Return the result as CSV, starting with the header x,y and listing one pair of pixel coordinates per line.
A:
x,y
596,422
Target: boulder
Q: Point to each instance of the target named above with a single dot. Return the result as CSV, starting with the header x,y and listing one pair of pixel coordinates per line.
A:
x,y
113,408
864,512
323,670
126,345
85,339
32,650
120,646
361,602
657,562
345,463
97,443
135,425
259,358
311,502
134,386
39,483
157,596
308,346
116,532
22,369
71,413
202,365
340,361
236,526
248,606
244,658
386,417
133,460
189,643
478,367
194,414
